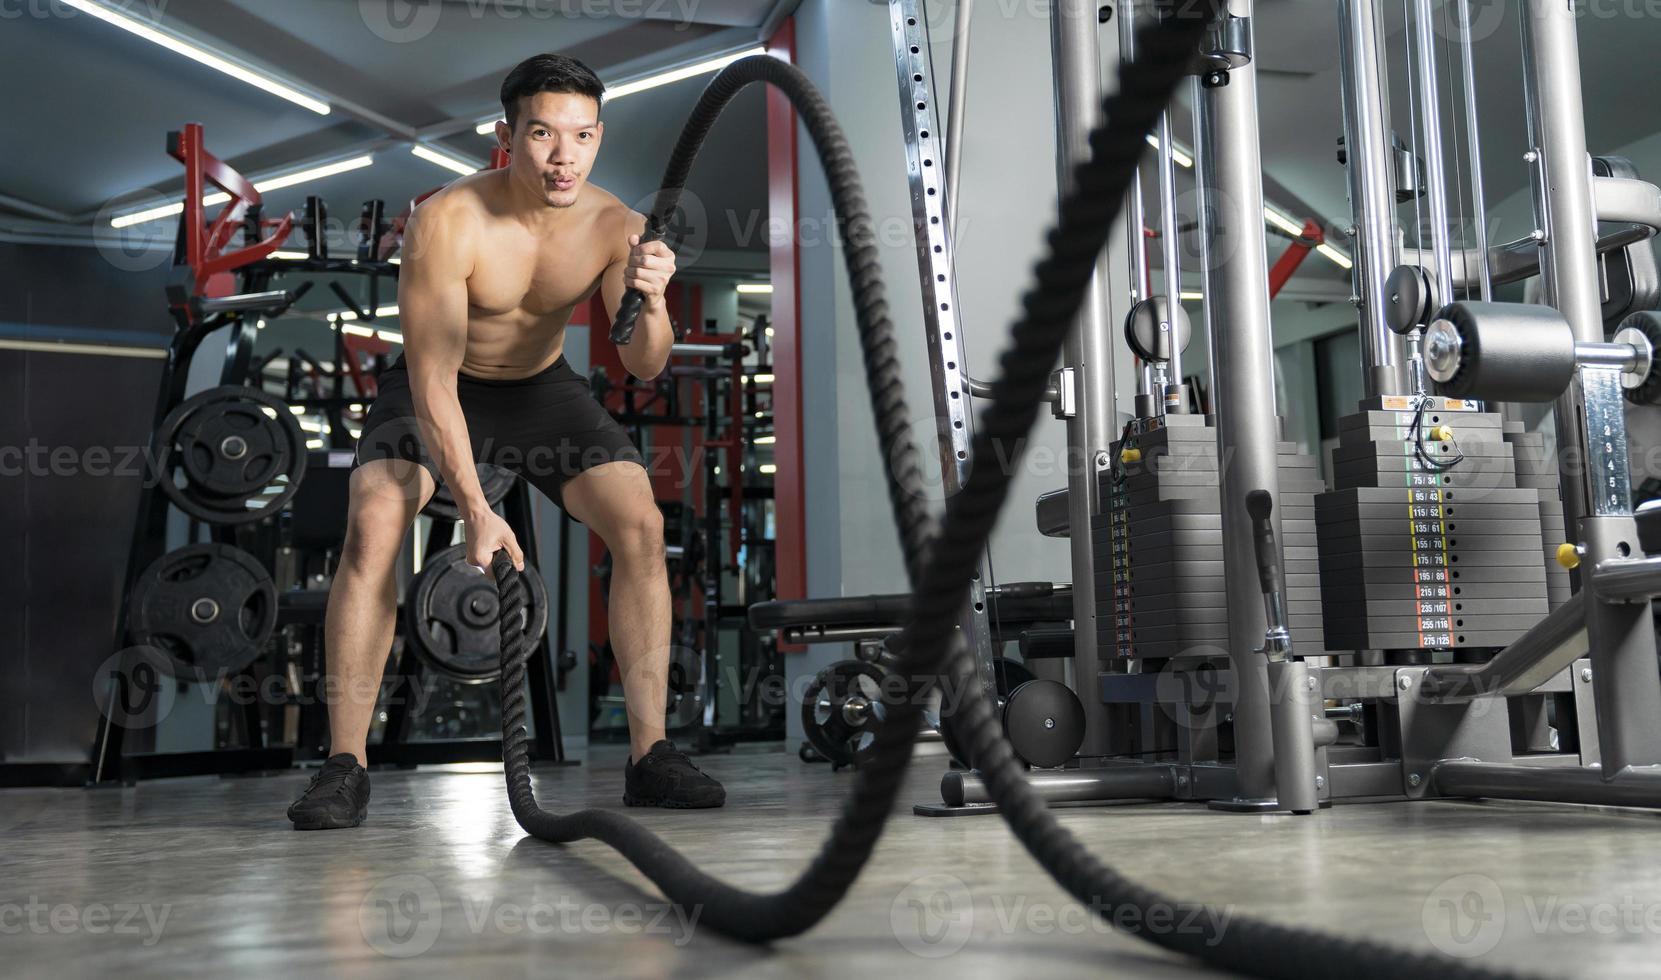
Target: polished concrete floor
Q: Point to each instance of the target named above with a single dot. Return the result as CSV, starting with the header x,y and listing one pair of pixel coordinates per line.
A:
x,y
202,877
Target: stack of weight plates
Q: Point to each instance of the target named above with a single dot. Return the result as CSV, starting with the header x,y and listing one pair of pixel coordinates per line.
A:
x,y
1537,468
1159,544
1427,542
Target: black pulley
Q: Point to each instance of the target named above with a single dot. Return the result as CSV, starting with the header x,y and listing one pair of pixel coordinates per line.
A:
x,y
1410,298
841,709
1045,723
1145,327
451,613
493,480
1642,330
230,455
211,607
1008,675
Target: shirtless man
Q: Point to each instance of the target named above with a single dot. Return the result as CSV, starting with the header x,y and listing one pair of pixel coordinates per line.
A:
x,y
493,266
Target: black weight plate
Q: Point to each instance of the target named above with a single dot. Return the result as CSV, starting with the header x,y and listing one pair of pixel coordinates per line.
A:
x,y
238,452
234,451
1008,674
1045,723
493,480
211,607
840,710
451,611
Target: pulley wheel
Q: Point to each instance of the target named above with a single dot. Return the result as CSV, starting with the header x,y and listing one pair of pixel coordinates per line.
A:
x,y
1045,723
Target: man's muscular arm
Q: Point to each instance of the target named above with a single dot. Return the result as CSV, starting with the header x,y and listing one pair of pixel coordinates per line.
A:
x,y
647,267
432,309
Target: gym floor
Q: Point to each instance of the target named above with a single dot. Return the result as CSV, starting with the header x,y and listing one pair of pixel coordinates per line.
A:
x,y
203,877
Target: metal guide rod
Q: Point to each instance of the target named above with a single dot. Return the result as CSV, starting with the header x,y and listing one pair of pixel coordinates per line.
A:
x,y
1479,204
1089,351
953,415
1591,422
957,103
1370,171
1436,182
1171,256
1234,257
1136,220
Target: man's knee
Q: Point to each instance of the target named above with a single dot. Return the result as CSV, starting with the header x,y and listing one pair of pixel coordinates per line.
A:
x,y
640,535
374,533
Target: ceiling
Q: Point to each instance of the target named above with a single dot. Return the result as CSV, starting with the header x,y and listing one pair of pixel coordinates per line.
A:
x,y
398,71
393,71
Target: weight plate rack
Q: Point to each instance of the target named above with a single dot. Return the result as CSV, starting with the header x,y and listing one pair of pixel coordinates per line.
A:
x,y
1159,544
1426,541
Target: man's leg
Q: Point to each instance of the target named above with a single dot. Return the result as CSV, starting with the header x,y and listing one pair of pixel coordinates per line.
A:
x,y
615,500
386,495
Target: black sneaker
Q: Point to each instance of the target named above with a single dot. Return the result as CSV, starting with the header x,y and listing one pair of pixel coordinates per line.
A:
x,y
336,798
666,777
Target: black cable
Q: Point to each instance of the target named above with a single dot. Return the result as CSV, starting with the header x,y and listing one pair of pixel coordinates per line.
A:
x,y
939,566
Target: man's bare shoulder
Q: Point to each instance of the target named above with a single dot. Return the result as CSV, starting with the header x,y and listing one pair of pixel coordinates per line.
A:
x,y
614,221
464,200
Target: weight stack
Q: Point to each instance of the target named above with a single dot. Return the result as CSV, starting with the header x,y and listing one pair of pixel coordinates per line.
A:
x,y
1158,544
1537,468
1426,541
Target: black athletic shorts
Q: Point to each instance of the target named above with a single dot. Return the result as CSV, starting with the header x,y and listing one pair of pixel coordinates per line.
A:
x,y
547,428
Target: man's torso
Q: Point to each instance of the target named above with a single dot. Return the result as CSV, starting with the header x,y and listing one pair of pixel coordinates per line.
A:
x,y
525,283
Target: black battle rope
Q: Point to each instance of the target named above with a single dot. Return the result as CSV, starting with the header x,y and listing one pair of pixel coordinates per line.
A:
x,y
940,567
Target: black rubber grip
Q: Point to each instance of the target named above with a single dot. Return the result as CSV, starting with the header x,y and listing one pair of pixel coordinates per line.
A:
x,y
1260,506
628,310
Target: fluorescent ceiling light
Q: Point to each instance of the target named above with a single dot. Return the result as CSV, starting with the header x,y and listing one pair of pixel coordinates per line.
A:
x,y
1340,258
768,468
444,160
348,316
765,440
290,256
390,336
179,45
357,331
758,288
1190,294
662,78
271,184
1282,222
762,379
314,444
1182,159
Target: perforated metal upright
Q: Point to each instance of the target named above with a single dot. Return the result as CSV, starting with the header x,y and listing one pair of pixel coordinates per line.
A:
x,y
925,159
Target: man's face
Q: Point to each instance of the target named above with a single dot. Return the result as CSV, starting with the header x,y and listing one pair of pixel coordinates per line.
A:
x,y
554,144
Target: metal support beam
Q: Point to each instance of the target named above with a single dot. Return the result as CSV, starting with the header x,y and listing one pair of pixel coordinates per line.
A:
x,y
1088,354
1591,418
1235,264
1371,169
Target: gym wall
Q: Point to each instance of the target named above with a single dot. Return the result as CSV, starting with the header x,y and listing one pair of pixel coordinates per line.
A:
x,y
94,409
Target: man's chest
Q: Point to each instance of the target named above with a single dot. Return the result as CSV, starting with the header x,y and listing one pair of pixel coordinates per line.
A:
x,y
538,278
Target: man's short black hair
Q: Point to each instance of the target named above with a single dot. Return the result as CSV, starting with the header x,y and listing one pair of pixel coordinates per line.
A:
x,y
548,73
